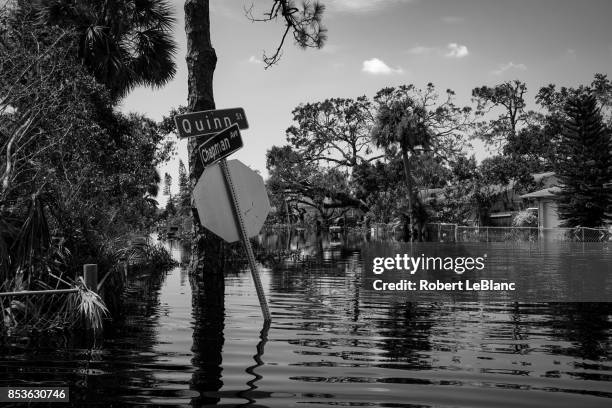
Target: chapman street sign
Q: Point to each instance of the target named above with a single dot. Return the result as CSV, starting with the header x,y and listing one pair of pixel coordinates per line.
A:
x,y
220,145
209,122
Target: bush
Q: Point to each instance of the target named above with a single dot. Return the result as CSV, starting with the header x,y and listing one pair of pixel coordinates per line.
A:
x,y
525,218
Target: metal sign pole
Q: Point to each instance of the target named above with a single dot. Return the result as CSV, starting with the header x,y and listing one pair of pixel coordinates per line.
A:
x,y
245,240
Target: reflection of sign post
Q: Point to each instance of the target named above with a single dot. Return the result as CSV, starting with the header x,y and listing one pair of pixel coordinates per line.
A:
x,y
220,145
209,122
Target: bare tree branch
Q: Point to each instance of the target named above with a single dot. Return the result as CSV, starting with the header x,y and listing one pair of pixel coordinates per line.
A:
x,y
304,24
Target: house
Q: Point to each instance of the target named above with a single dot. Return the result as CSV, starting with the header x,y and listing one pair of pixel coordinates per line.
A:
x,y
505,204
545,200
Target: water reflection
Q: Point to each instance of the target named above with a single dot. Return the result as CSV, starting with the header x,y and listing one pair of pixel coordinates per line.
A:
x,y
208,324
182,342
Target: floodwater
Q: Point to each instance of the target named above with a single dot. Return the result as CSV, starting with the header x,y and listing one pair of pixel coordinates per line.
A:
x,y
330,343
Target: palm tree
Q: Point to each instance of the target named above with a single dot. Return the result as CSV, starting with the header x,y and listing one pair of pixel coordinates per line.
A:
x,y
400,123
123,43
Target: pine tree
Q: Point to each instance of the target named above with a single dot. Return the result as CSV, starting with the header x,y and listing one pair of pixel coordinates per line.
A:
x,y
584,166
167,184
608,186
184,191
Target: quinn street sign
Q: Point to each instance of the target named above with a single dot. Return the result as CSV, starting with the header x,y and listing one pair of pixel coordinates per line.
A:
x,y
220,145
209,122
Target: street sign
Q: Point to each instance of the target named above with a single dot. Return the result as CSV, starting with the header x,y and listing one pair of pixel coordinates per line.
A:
x,y
214,204
220,145
209,122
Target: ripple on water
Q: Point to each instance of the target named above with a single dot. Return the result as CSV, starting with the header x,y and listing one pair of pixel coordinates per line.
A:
x,y
330,343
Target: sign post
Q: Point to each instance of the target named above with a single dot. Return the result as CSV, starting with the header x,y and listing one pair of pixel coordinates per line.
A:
x,y
224,125
261,296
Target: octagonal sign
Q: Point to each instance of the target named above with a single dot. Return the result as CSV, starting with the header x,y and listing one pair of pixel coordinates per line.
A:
x,y
211,198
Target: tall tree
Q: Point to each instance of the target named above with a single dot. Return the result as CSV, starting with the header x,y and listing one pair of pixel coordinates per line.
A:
x,y
415,122
335,131
123,43
510,98
584,166
201,62
167,184
184,190
87,170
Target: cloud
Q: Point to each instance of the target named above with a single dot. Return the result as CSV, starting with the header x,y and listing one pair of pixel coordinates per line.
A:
x,y
455,50
254,60
452,50
375,66
509,66
453,19
363,6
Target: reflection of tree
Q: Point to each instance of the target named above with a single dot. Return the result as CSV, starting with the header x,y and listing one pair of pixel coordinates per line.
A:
x,y
129,347
586,326
407,331
208,316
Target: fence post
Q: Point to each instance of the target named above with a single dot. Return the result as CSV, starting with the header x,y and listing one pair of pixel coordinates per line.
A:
x,y
456,227
487,234
582,234
90,276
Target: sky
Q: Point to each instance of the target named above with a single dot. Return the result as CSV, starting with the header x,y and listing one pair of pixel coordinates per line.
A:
x,y
456,44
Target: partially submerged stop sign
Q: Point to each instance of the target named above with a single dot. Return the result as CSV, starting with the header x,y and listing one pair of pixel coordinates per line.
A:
x,y
214,206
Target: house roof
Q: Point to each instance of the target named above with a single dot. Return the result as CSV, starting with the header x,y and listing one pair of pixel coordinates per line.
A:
x,y
544,193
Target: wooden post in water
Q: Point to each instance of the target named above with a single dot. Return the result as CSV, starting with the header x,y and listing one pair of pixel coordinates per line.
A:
x,y
90,276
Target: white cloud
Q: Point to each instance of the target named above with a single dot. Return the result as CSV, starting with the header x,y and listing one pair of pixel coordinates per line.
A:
x,y
457,51
363,5
509,66
254,60
453,19
375,66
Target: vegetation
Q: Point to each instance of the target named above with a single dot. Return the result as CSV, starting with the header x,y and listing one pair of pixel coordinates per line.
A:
x,y
75,173
124,44
584,198
401,157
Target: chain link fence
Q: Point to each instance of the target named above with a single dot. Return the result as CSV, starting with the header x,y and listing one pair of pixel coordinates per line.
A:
x,y
460,233
443,232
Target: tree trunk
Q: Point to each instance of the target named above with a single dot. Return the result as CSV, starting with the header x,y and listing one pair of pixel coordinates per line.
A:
x,y
408,180
208,251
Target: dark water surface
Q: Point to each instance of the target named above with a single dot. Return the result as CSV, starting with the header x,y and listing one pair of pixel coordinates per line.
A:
x,y
331,343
